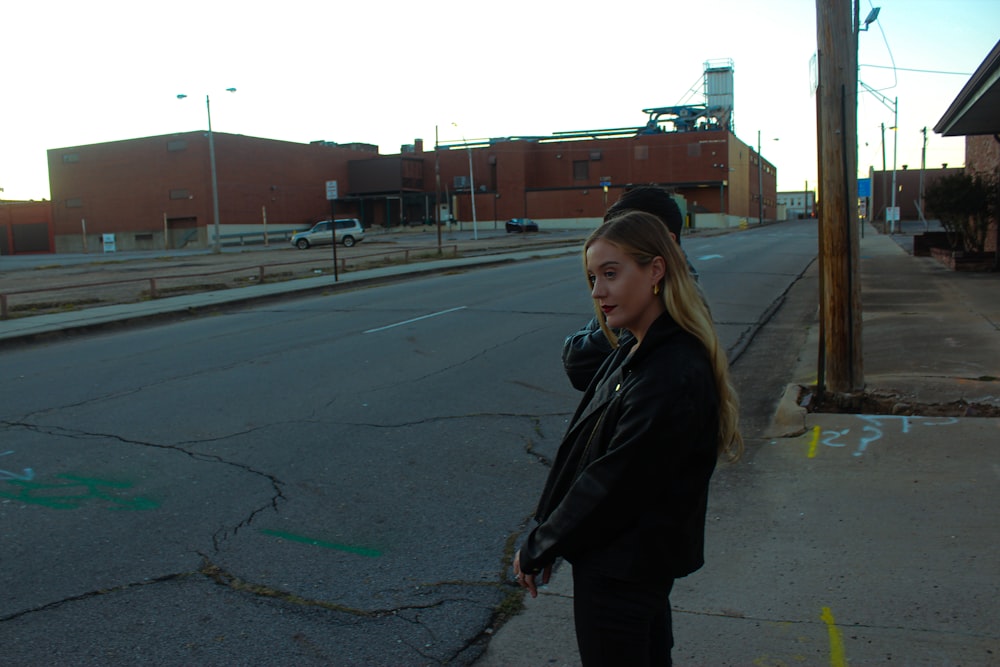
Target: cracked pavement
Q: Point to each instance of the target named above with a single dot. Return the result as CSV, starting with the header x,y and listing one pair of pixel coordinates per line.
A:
x,y
213,491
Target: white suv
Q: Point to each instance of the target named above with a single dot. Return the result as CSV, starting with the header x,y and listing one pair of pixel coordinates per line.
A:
x,y
349,232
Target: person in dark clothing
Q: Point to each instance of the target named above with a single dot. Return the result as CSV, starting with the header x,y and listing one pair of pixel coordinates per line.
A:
x,y
585,350
626,497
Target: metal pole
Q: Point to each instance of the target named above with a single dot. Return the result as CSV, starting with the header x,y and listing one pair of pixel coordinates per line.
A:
x,y
884,202
472,186
217,245
472,192
437,188
895,142
923,165
760,184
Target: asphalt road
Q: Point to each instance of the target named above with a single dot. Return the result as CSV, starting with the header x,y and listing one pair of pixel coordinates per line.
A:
x,y
334,479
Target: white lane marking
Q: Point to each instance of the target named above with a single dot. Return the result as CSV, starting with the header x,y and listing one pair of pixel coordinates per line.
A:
x,y
706,257
415,319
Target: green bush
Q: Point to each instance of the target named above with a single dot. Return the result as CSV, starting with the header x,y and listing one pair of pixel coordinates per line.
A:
x,y
965,205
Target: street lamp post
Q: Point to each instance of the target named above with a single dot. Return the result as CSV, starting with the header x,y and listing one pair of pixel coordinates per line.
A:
x,y
437,187
217,243
895,143
760,184
472,187
893,106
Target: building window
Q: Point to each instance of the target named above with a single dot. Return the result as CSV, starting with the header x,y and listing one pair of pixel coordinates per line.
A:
x,y
180,194
177,145
74,202
71,157
581,170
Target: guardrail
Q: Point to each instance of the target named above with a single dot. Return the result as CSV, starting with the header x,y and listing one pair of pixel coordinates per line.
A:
x,y
259,236
155,282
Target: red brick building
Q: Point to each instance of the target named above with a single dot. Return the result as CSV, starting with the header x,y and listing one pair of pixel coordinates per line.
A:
x,y
975,114
156,192
908,192
25,227
145,190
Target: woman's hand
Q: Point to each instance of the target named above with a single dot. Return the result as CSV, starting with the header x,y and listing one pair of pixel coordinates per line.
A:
x,y
529,582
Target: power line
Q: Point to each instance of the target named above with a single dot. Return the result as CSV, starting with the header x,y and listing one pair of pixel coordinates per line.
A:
x,y
922,71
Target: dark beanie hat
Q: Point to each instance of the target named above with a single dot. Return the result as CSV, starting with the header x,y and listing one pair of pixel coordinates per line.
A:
x,y
650,199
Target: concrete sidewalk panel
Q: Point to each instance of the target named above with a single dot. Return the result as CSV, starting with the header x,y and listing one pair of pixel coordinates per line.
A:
x,y
877,530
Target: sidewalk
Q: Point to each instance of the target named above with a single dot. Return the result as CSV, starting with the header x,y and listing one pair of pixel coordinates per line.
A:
x,y
848,539
25,328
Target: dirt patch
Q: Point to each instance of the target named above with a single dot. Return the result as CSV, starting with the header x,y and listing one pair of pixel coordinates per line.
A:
x,y
888,403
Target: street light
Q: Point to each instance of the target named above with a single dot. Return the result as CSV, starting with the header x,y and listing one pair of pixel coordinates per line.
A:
x,y
217,245
472,187
893,106
871,18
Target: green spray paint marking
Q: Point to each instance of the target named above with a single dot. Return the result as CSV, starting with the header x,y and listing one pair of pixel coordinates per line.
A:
x,y
73,492
360,551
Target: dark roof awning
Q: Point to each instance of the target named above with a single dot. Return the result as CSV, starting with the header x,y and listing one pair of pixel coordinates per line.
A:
x,y
976,110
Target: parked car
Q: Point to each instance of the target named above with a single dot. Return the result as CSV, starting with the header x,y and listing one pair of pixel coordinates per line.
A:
x,y
521,225
349,232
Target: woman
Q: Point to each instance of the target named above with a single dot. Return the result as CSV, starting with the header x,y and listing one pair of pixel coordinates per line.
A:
x,y
585,350
625,500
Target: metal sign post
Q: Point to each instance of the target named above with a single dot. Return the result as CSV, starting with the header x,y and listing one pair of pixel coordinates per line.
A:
x,y
331,194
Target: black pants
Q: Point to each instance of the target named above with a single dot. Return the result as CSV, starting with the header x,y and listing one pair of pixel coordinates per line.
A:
x,y
621,623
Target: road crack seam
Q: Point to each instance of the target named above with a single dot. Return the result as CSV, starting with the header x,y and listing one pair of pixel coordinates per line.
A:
x,y
444,418
98,593
276,484
224,578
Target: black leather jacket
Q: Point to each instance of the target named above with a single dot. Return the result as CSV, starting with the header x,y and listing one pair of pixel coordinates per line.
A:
x,y
628,490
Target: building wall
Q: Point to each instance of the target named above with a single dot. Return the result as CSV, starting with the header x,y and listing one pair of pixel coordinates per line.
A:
x,y
562,180
982,156
25,227
156,192
137,188
907,190
797,205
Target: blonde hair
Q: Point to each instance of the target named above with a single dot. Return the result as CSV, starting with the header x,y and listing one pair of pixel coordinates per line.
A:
x,y
643,237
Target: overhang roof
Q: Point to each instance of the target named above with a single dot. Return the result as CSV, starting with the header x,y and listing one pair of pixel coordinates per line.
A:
x,y
976,110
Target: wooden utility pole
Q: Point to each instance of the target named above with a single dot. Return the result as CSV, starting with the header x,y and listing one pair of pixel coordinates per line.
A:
x,y
840,360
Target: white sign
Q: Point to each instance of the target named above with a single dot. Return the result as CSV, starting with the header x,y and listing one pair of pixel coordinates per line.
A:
x,y
109,242
331,189
892,214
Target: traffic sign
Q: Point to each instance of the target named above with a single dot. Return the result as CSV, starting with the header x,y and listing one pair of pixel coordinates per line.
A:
x,y
331,190
864,187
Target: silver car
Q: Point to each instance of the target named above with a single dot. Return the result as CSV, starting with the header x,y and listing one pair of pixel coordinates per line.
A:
x,y
349,232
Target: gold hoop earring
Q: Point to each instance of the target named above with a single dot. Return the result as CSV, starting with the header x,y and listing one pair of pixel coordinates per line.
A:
x,y
656,290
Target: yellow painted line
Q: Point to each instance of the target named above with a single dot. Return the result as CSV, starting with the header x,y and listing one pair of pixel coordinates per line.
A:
x,y
837,658
814,442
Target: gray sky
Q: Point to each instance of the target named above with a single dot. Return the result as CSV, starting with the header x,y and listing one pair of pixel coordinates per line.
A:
x,y
387,73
